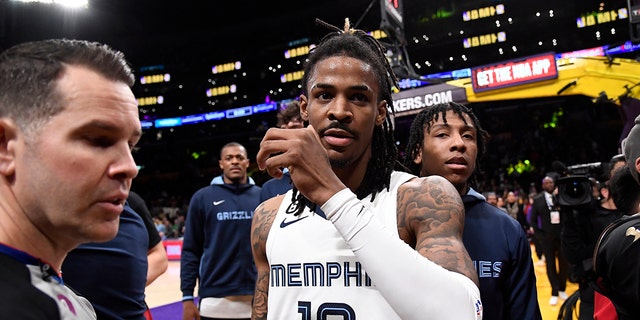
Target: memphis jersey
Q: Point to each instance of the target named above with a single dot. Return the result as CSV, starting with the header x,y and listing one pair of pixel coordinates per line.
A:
x,y
314,274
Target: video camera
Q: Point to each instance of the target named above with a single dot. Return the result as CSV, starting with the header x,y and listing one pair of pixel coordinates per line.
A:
x,y
575,188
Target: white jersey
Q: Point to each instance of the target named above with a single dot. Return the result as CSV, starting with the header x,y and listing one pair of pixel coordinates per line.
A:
x,y
315,275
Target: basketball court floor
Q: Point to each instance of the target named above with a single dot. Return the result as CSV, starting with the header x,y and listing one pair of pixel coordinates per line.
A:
x,y
163,295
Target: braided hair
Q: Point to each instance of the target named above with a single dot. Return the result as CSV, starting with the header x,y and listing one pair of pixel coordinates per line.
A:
x,y
423,122
358,44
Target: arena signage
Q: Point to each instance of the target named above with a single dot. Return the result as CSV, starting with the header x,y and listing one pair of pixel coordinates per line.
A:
x,y
411,101
514,72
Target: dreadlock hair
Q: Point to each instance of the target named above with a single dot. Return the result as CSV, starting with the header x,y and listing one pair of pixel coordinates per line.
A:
x,y
358,44
423,122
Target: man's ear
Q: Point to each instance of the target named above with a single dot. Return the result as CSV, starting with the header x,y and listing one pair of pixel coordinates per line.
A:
x,y
416,155
8,140
304,114
604,192
637,164
382,112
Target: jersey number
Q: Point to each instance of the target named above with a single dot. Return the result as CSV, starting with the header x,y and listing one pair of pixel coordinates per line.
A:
x,y
325,310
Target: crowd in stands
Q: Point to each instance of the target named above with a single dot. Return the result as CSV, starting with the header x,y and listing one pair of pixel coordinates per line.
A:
x,y
168,215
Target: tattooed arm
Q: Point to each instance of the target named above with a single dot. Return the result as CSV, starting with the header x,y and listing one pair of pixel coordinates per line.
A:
x,y
434,280
430,219
262,221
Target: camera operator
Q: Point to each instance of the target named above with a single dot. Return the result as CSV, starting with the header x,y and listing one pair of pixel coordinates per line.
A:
x,y
581,228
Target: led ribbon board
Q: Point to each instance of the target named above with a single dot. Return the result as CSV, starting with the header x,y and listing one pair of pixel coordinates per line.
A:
x,y
412,101
514,72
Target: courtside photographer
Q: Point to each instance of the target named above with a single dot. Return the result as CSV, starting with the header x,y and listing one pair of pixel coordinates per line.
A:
x,y
587,208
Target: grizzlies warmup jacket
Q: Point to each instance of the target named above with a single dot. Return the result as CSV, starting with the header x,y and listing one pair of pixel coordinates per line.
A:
x,y
502,256
217,245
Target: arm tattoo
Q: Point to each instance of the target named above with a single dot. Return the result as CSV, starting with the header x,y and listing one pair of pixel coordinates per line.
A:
x,y
260,297
431,219
262,220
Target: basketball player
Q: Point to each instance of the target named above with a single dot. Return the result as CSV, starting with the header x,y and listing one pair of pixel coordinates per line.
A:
x,y
355,238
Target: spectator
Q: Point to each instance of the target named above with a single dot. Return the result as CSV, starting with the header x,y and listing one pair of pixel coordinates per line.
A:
x,y
515,209
492,198
289,117
168,227
178,225
160,227
501,204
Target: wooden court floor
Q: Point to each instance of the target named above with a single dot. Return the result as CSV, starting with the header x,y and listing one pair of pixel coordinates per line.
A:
x,y
166,289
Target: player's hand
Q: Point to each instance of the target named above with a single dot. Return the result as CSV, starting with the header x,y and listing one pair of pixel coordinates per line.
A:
x,y
190,310
301,151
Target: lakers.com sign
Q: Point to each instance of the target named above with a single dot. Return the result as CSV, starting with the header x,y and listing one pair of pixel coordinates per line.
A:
x,y
411,101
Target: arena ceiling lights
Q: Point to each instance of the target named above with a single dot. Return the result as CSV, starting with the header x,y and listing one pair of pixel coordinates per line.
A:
x,y
72,4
